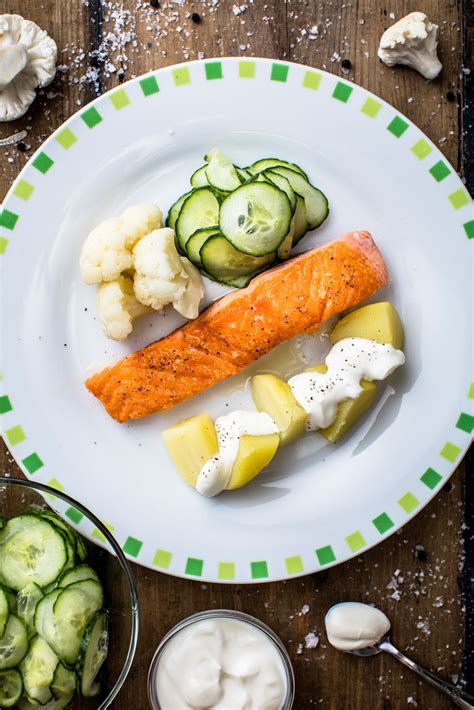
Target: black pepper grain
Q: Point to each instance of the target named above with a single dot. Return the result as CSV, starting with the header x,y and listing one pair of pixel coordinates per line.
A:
x,y
196,18
155,3
21,146
451,96
346,64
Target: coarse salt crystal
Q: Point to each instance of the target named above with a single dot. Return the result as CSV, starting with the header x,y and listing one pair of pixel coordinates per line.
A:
x,y
311,640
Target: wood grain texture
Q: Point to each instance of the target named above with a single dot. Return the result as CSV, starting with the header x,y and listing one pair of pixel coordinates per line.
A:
x,y
427,619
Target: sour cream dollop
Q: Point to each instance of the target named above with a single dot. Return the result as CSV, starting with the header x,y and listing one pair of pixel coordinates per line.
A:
x,y
349,361
215,473
221,664
353,625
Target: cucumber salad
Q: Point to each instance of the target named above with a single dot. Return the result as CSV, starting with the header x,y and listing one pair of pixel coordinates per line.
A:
x,y
236,222
53,625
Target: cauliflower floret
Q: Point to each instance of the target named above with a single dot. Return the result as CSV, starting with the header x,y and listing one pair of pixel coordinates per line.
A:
x,y
107,251
117,308
163,277
412,41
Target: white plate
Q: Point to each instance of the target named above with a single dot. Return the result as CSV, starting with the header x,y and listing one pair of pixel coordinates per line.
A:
x,y
317,504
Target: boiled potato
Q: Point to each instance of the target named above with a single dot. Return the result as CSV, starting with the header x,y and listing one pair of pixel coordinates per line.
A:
x,y
348,412
191,443
377,321
274,396
254,453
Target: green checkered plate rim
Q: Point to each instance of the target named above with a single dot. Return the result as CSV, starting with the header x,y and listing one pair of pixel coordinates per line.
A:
x,y
160,85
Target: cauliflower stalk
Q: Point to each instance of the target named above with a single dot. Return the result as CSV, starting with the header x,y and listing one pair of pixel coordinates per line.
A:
x,y
412,41
137,269
117,307
27,62
163,277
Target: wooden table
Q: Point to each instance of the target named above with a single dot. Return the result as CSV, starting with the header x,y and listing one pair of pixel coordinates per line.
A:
x,y
415,575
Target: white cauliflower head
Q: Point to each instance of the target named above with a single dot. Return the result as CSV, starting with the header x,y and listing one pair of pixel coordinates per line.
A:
x,y
107,251
27,62
163,277
117,308
412,41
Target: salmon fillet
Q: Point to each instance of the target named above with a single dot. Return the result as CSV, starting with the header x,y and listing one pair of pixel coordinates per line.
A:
x,y
294,298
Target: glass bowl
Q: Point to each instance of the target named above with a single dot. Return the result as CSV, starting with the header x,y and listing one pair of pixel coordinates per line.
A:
x,y
223,614
107,558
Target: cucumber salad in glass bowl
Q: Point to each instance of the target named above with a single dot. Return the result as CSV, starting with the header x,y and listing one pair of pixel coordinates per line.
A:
x,y
56,606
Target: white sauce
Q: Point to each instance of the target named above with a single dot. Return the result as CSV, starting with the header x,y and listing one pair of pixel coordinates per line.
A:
x,y
215,474
221,664
349,361
353,625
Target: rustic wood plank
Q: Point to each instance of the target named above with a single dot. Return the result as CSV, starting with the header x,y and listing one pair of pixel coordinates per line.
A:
x,y
429,593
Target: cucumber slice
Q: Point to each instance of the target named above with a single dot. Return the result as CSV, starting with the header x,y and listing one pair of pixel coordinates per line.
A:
x,y
283,184
65,529
226,264
199,177
284,250
221,172
31,550
11,598
64,681
2,521
4,611
94,648
195,242
175,210
315,201
27,600
72,611
81,549
44,612
78,574
267,163
59,704
243,174
37,670
200,209
14,643
256,218
11,688
300,221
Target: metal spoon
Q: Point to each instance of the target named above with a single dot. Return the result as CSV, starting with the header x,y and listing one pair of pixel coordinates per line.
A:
x,y
457,696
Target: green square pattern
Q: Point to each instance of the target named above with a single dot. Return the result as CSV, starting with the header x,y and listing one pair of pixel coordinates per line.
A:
x,y
194,566
15,435
311,80
98,534
8,219
5,404
66,138
470,392
279,72
213,70
469,229
226,570
181,76
54,483
23,190
325,555
459,198
342,92
397,126
355,541
440,170
162,559
431,478
371,107
450,452
91,117
119,99
259,570
294,565
149,85
74,515
383,522
408,502
246,70
32,463
465,422
3,245
421,149
132,546
42,162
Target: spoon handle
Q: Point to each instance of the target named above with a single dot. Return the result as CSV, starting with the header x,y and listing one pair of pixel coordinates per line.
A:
x,y
457,696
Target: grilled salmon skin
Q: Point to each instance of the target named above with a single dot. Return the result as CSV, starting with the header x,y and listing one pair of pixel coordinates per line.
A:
x,y
293,298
